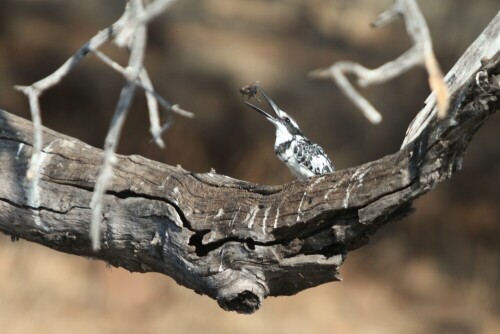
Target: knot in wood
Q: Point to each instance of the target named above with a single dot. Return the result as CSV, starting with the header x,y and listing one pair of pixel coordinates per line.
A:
x,y
242,296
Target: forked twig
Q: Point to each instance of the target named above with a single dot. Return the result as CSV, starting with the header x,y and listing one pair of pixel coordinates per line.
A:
x,y
116,31
144,83
420,54
128,32
136,43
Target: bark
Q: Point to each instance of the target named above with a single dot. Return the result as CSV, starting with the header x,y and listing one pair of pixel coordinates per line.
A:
x,y
235,241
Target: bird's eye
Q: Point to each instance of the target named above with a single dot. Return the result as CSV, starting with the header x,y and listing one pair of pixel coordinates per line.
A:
x,y
287,120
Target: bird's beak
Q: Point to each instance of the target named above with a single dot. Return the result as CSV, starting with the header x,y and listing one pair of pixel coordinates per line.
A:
x,y
273,105
269,117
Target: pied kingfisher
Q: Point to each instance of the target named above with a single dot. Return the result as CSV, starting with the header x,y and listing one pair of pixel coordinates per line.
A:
x,y
303,157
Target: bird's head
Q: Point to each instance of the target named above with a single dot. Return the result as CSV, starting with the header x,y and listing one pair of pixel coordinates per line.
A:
x,y
283,122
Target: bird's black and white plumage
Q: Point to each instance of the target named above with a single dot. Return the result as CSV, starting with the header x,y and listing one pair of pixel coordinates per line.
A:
x,y
303,157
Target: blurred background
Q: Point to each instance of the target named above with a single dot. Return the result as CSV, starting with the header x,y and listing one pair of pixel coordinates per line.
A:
x,y
437,271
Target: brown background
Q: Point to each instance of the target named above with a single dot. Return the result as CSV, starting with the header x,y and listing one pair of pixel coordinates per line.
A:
x,y
437,271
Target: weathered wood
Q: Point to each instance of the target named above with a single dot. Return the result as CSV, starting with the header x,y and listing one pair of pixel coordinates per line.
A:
x,y
234,241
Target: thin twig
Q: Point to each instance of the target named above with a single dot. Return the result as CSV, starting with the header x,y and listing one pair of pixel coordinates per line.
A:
x,y
145,83
421,53
35,90
33,95
154,112
128,32
137,45
152,10
488,44
140,83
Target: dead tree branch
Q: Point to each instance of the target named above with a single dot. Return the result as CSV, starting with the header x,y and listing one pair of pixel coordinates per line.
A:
x,y
235,241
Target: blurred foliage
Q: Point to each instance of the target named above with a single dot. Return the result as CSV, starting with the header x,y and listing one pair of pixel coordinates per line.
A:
x,y
437,271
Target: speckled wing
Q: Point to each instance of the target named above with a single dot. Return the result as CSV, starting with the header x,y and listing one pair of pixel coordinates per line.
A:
x,y
312,157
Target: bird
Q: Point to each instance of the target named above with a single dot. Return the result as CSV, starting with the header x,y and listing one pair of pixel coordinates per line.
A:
x,y
303,157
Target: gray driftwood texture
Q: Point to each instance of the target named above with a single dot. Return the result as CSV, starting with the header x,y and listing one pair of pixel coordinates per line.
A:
x,y
235,241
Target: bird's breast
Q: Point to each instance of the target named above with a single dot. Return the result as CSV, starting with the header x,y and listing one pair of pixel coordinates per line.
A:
x,y
284,150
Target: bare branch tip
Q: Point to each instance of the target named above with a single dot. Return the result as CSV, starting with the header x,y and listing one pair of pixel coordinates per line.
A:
x,y
30,174
22,89
178,110
443,103
437,84
320,73
385,18
158,141
96,246
375,118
